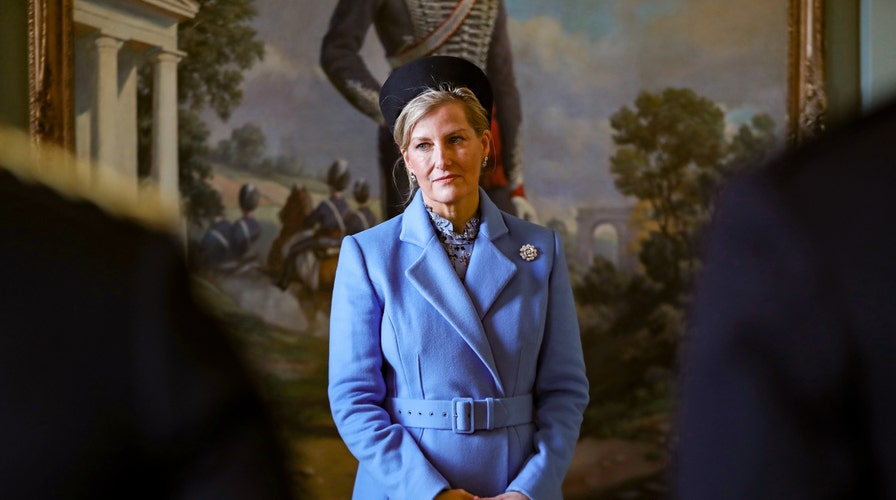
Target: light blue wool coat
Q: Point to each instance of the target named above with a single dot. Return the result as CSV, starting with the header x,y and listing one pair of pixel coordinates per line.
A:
x,y
404,325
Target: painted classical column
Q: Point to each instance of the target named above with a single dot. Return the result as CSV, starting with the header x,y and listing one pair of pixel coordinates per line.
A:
x,y
85,104
127,115
106,102
164,127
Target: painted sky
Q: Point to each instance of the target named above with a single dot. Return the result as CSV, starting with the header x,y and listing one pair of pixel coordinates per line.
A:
x,y
577,62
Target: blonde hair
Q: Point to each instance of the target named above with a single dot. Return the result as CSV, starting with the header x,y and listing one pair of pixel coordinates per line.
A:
x,y
428,101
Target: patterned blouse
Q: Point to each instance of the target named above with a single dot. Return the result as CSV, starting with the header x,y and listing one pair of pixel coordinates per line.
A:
x,y
459,246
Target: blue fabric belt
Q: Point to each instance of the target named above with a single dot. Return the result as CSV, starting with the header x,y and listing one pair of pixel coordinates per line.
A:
x,y
461,415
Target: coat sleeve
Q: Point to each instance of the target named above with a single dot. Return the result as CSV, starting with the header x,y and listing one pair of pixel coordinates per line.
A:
x,y
357,389
561,390
341,60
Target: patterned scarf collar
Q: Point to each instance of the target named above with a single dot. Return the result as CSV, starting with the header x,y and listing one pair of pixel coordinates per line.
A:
x,y
458,246
446,230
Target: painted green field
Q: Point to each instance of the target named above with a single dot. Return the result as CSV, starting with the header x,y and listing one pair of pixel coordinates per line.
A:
x,y
290,369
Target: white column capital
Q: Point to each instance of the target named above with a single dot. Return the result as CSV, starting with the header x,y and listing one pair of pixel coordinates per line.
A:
x,y
106,42
163,56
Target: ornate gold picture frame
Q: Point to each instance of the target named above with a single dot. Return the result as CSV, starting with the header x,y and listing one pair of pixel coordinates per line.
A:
x,y
807,100
50,72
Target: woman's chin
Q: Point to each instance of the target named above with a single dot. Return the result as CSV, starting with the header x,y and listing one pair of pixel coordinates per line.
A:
x,y
450,194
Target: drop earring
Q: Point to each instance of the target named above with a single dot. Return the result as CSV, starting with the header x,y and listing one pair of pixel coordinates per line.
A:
x,y
484,161
412,177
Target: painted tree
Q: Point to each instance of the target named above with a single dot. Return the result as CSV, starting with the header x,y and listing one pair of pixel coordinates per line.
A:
x,y
668,149
672,156
201,202
220,45
248,146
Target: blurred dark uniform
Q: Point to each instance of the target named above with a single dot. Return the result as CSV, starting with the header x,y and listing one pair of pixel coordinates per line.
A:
x,y
113,383
362,217
790,371
403,28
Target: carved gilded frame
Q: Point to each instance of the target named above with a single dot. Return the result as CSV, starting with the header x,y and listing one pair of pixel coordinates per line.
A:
x,y
51,75
51,72
806,95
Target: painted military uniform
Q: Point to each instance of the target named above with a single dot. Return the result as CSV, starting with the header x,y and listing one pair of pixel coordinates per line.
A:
x,y
358,220
215,244
408,29
243,233
328,221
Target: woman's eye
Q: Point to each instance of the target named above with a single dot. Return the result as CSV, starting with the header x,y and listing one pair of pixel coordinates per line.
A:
x,y
455,139
423,146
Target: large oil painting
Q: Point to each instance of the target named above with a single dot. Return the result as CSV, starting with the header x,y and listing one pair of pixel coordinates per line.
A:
x,y
593,78
634,112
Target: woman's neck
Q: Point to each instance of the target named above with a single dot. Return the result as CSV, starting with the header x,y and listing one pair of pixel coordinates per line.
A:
x,y
459,213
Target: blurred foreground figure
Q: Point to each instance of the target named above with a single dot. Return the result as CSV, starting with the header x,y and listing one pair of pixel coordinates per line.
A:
x,y
790,374
113,384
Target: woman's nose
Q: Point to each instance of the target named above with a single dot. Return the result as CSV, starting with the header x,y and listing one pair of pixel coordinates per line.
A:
x,y
440,157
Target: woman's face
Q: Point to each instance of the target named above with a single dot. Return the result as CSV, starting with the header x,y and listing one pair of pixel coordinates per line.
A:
x,y
445,155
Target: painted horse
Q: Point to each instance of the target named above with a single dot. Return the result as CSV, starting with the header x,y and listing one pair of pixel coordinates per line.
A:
x,y
308,275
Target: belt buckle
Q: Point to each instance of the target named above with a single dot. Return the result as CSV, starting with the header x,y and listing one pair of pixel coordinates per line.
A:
x,y
463,421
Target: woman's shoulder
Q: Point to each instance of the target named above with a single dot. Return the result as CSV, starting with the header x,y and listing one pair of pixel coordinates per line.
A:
x,y
383,233
521,227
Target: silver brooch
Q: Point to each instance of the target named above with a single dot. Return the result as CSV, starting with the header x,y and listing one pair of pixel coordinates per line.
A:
x,y
528,252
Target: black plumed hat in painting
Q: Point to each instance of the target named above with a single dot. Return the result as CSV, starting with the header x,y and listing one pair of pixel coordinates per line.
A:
x,y
338,175
249,197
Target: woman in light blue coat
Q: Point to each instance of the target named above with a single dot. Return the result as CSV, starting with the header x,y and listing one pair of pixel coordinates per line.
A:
x,y
456,366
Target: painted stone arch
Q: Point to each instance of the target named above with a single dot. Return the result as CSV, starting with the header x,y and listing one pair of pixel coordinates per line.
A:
x,y
588,222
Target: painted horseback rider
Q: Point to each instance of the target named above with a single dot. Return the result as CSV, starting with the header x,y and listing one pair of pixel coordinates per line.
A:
x,y
327,221
362,217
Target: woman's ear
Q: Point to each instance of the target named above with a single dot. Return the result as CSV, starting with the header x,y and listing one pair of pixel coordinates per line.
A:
x,y
486,142
404,157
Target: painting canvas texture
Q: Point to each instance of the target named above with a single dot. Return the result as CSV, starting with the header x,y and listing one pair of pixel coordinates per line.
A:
x,y
707,76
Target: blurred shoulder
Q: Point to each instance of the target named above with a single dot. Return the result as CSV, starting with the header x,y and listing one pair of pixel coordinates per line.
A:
x,y
47,212
54,175
850,161
51,238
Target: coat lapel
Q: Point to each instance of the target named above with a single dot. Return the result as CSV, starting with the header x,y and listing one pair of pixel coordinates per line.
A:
x,y
490,270
434,278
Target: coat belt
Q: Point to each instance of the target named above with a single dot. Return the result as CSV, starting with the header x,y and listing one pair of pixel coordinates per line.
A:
x,y
461,415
